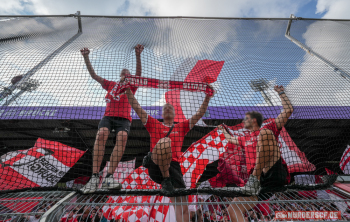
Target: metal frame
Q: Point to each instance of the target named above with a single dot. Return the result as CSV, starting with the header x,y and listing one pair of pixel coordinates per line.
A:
x,y
67,201
335,68
172,17
8,91
283,200
47,216
30,197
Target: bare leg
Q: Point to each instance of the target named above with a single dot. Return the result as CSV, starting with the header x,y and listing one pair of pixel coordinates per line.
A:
x,y
161,155
237,211
181,211
99,149
118,151
268,152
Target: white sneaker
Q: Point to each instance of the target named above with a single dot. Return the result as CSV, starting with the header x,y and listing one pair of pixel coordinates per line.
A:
x,y
91,186
252,187
110,184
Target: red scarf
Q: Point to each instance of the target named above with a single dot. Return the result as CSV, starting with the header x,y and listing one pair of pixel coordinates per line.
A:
x,y
136,81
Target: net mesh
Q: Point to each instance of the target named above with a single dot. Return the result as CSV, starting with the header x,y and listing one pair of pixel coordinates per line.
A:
x,y
54,118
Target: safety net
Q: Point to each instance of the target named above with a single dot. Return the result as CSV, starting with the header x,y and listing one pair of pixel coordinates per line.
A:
x,y
173,106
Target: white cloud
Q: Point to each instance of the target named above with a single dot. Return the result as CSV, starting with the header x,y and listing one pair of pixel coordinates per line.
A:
x,y
334,9
45,7
222,8
160,102
318,84
219,8
11,7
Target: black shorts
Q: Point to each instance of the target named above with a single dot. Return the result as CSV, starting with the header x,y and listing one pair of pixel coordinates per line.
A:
x,y
116,123
273,180
174,171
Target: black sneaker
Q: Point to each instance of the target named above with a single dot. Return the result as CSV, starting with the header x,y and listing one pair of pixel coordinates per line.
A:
x,y
167,187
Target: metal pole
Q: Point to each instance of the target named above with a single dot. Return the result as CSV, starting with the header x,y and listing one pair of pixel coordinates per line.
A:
x,y
267,99
36,68
13,98
313,53
46,216
80,29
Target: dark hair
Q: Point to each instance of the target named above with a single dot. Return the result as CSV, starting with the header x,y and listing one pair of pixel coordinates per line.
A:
x,y
256,115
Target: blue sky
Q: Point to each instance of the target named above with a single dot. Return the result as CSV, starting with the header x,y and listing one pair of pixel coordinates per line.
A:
x,y
250,49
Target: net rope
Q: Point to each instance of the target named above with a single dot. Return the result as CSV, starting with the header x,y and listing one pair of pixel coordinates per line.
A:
x,y
53,114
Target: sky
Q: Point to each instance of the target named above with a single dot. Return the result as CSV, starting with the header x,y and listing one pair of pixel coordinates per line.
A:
x,y
208,8
246,61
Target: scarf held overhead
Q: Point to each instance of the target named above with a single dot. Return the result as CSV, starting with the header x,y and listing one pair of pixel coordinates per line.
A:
x,y
135,81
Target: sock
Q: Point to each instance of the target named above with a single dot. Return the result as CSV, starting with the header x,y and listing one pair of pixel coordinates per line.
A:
x,y
95,174
108,175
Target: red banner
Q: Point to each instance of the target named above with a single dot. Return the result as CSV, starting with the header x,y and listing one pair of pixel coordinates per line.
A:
x,y
41,166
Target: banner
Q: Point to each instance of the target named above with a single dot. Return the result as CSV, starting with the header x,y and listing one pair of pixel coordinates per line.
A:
x,y
41,166
214,145
143,82
139,179
186,103
121,172
344,162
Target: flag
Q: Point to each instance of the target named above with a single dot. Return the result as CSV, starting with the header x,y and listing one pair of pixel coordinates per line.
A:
x,y
187,103
214,145
232,168
139,179
295,159
164,212
329,172
121,172
344,162
41,166
133,212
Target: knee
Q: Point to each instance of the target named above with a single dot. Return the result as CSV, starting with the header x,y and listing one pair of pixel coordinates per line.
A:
x,y
165,141
163,146
266,134
122,135
102,133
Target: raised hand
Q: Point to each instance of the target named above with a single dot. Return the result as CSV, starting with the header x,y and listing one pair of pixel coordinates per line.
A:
x,y
211,87
85,52
221,128
279,89
138,49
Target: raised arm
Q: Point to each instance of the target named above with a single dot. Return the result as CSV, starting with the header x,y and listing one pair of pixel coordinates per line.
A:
x,y
138,50
201,111
136,106
229,138
85,52
287,111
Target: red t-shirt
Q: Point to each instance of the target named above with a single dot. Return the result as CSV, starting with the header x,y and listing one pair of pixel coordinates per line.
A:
x,y
250,140
158,130
117,106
